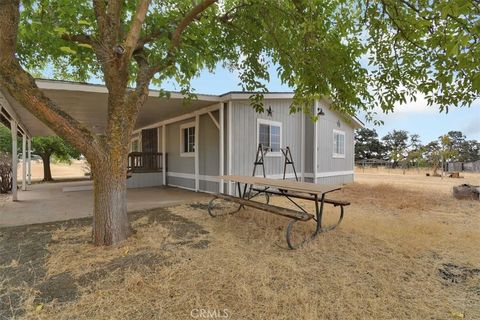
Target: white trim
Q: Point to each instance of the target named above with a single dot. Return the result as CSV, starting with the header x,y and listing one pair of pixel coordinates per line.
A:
x,y
246,95
186,126
333,173
270,123
13,129
24,162
139,144
230,152
214,120
29,159
197,159
329,174
191,176
302,147
221,147
315,144
159,143
164,157
334,154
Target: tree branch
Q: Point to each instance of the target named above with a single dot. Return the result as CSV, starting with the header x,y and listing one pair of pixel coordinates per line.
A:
x,y
21,85
79,38
197,10
136,27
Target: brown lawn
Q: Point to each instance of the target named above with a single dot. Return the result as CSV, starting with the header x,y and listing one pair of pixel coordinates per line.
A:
x,y
406,250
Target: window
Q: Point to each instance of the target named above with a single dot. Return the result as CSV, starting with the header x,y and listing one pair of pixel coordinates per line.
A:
x,y
187,140
338,144
135,147
269,134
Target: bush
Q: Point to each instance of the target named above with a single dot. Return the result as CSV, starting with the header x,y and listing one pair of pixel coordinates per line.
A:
x,y
5,172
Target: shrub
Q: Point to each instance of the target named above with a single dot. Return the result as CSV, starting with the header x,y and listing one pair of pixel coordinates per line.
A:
x,y
5,172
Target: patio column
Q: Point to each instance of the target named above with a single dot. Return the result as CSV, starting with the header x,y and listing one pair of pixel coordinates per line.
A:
x,y
229,156
197,162
24,162
164,157
13,128
221,145
302,151
29,161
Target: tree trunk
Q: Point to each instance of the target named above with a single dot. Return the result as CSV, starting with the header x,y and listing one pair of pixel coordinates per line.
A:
x,y
47,172
110,220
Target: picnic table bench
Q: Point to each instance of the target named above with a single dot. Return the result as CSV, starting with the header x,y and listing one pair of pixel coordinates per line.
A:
x,y
256,194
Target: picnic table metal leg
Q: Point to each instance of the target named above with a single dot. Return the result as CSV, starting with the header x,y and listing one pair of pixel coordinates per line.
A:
x,y
318,213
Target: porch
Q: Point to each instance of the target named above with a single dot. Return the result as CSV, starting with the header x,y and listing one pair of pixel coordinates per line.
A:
x,y
48,202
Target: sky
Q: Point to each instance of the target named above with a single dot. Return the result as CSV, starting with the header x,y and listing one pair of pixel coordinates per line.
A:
x,y
414,117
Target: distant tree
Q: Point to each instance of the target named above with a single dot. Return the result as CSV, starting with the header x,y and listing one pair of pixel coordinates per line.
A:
x,y
396,143
469,151
432,154
367,144
48,147
466,150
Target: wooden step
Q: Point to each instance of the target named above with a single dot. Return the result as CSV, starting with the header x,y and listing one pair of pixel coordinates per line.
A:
x,y
289,213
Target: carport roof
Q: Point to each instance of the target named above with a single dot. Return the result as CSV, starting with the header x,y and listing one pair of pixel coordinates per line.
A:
x,y
88,104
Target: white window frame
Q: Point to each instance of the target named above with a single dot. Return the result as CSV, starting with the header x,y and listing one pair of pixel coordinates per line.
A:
x,y
139,144
182,128
270,123
339,155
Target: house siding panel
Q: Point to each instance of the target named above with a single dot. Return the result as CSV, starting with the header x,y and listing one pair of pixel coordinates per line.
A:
x,y
325,160
245,137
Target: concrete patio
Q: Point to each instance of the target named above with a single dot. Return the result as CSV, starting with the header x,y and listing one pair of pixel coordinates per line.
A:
x,y
48,202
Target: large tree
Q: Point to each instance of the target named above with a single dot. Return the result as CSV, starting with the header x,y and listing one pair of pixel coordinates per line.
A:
x,y
412,46
46,147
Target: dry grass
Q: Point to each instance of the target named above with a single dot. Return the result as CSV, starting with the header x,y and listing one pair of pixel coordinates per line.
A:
x,y
386,261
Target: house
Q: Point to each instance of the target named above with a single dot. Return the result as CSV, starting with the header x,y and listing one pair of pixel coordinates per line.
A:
x,y
211,136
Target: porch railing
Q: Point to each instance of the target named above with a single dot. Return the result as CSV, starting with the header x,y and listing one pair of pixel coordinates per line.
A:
x,y
145,162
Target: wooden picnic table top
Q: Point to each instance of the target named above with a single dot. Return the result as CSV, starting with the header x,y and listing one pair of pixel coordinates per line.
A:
x,y
295,186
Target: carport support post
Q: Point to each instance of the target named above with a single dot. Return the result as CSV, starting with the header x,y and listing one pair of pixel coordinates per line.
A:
x,y
13,128
221,146
164,159
24,162
197,162
29,161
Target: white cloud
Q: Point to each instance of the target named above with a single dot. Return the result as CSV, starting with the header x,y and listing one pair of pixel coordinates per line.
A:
x,y
420,106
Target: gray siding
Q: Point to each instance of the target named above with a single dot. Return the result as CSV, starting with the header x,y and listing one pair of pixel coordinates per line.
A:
x,y
208,146
308,145
181,170
176,163
142,180
325,160
245,136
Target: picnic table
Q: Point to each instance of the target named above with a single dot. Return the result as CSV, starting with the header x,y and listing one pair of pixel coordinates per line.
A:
x,y
256,193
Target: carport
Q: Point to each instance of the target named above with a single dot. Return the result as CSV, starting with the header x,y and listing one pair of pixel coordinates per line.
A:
x,y
88,104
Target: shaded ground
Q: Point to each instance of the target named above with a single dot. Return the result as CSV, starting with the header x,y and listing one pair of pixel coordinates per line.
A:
x,y
24,277
404,251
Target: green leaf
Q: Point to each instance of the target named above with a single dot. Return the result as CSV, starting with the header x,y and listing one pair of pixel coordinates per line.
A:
x,y
84,22
85,45
60,30
68,50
